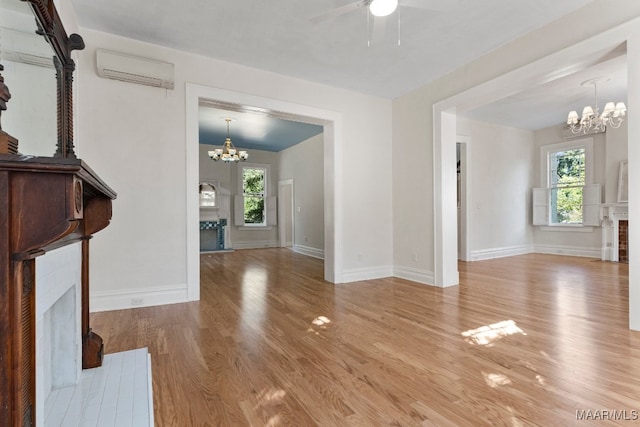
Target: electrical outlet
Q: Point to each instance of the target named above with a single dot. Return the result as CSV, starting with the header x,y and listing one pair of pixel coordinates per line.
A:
x,y
136,302
414,257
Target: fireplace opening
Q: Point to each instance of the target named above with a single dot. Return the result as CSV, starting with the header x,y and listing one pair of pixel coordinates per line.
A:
x,y
60,343
58,334
623,241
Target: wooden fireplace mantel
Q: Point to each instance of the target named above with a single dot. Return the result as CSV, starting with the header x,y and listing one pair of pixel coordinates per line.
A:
x,y
45,203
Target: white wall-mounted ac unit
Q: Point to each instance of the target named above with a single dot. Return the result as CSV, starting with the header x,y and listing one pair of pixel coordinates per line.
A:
x,y
134,69
26,48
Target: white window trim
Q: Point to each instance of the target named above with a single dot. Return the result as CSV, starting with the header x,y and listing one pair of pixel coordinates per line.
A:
x,y
578,228
240,181
545,152
250,227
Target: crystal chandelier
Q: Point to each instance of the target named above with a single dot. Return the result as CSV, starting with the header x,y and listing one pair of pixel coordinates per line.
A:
x,y
592,121
228,153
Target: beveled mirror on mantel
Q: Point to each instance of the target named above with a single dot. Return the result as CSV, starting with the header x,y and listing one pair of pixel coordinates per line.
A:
x,y
30,75
38,69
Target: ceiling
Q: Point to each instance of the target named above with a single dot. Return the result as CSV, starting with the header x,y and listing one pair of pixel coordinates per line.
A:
x,y
252,130
437,36
548,105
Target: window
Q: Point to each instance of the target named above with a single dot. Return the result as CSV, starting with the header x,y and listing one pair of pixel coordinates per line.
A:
x,y
253,207
567,198
567,180
253,191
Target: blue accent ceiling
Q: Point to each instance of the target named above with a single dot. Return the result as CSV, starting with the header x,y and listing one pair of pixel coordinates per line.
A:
x,y
252,131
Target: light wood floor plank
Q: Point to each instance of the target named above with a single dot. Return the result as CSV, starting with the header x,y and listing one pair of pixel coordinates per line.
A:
x,y
523,341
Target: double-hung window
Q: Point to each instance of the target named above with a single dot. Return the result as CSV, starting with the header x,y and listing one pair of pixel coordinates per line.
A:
x,y
567,181
253,191
253,207
568,197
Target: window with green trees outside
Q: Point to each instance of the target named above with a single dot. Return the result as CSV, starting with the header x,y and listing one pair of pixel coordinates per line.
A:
x,y
567,180
253,189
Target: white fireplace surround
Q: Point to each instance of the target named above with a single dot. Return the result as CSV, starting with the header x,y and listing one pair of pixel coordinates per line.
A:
x,y
58,322
611,215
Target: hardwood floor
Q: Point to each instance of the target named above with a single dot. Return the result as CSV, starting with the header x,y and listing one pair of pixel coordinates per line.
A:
x,y
527,340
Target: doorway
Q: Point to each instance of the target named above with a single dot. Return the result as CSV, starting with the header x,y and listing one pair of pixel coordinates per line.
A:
x,y
333,173
462,169
286,215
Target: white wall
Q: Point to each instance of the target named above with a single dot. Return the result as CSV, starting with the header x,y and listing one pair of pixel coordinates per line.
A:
x,y
413,131
500,176
303,163
633,97
615,144
134,137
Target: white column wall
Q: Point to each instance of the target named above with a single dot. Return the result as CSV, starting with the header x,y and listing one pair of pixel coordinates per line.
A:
x,y
303,164
633,97
501,169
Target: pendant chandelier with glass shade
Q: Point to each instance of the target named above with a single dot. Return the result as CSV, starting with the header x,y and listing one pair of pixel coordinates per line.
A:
x,y
382,7
591,120
228,153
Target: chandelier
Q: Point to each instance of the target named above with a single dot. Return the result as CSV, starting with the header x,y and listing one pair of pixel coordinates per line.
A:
x,y
591,120
228,153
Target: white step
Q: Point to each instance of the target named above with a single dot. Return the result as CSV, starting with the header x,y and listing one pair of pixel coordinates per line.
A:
x,y
117,394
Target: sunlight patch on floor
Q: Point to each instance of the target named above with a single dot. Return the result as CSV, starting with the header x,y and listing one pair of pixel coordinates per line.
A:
x,y
269,398
496,380
487,335
320,322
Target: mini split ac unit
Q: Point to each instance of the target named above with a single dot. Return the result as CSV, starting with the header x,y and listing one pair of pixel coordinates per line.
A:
x,y
134,69
25,48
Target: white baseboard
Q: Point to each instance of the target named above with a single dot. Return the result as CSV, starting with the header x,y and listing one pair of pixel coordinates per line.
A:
x,y
367,273
568,250
256,244
147,297
414,274
500,252
306,250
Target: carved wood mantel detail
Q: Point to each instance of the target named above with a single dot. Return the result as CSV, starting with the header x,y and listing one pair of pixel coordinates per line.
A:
x,y
45,203
50,26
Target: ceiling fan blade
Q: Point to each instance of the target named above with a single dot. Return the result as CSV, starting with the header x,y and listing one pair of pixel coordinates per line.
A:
x,y
379,29
339,11
439,5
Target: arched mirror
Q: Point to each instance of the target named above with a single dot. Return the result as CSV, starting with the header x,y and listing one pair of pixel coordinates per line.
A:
x,y
207,192
35,53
